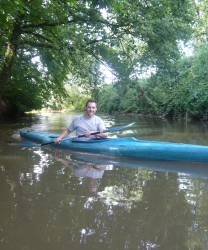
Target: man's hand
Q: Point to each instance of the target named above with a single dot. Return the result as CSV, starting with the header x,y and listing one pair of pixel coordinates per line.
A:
x,y
57,140
87,134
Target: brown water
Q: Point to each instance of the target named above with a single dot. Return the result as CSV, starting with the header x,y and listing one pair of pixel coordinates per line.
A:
x,y
58,199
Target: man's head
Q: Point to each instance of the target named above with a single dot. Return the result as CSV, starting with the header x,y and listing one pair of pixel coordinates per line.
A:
x,y
93,185
91,108
92,101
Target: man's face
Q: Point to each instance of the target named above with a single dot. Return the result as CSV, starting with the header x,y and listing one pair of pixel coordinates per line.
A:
x,y
91,109
93,185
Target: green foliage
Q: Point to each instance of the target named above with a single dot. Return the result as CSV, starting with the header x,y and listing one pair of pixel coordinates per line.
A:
x,y
199,67
54,43
182,91
108,99
200,34
23,92
128,102
113,99
75,99
75,37
28,89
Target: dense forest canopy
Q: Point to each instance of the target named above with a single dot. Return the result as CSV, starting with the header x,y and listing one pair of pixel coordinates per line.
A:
x,y
48,44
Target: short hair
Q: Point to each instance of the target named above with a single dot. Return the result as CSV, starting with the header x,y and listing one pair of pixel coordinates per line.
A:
x,y
90,100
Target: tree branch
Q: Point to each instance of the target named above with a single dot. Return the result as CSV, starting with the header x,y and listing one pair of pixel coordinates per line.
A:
x,y
39,36
37,45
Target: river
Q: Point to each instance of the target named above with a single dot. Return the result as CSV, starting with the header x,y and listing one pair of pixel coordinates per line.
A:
x,y
59,199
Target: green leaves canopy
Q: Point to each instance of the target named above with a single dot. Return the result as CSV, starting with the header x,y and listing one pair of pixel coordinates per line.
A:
x,y
43,41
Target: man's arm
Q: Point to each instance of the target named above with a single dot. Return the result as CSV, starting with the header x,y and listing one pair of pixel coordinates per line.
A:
x,y
103,135
101,128
63,134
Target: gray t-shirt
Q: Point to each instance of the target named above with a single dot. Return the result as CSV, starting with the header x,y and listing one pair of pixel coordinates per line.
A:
x,y
82,124
87,173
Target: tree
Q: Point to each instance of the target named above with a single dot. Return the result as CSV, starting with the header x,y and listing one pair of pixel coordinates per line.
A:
x,y
42,41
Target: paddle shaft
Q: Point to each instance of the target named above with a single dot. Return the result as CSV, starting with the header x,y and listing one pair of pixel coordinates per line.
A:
x,y
79,136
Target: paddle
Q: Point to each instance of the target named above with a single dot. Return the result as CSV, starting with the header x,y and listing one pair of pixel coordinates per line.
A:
x,y
94,133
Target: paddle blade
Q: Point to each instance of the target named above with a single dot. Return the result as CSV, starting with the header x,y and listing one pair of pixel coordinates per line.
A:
x,y
119,128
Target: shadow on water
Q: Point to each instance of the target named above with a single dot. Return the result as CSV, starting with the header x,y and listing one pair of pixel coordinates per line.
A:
x,y
61,199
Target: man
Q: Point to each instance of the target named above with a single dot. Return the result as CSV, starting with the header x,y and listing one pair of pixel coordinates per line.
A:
x,y
86,124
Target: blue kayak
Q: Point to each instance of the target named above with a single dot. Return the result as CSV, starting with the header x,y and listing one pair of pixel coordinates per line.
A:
x,y
128,147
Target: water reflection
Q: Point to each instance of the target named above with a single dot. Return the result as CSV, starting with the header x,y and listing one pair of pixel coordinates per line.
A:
x,y
93,172
47,203
193,169
137,208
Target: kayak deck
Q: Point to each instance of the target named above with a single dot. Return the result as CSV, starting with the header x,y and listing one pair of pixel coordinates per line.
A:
x,y
129,147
